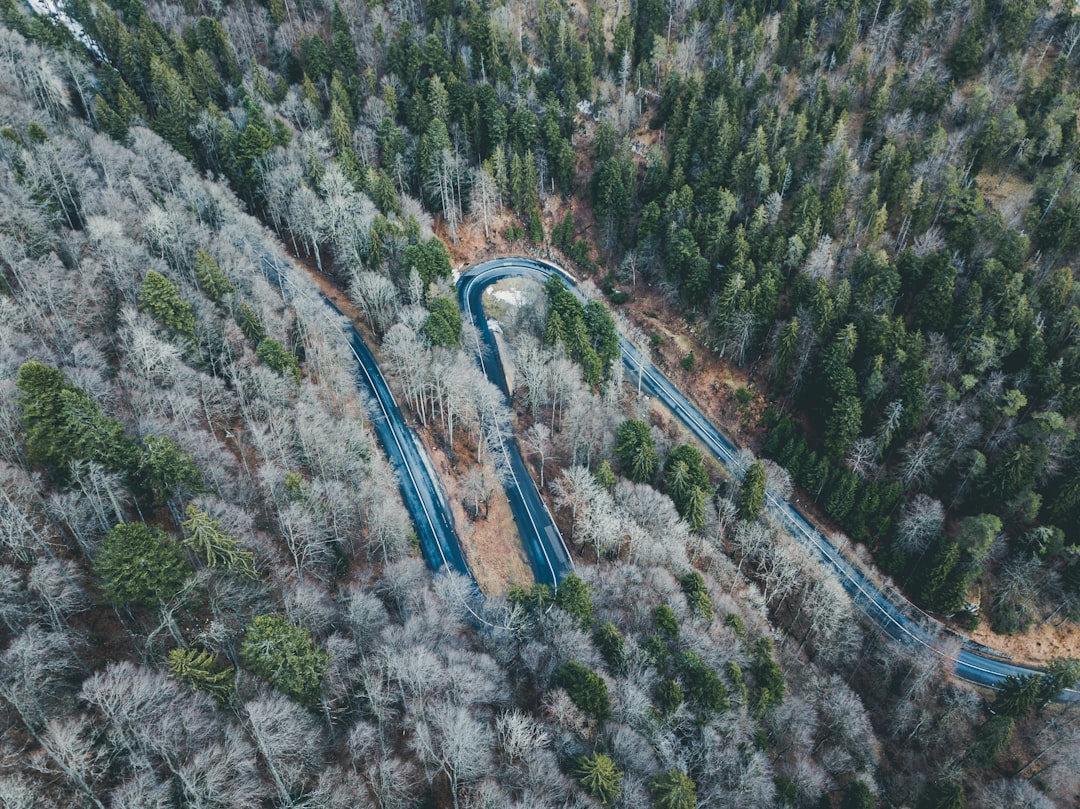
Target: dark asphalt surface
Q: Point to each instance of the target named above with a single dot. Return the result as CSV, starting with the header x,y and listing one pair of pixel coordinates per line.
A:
x,y
894,615
548,555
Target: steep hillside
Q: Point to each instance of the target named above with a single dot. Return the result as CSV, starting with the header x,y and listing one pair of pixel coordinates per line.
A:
x,y
209,594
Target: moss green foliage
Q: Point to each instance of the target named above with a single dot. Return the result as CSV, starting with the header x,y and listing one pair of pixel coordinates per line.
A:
x,y
205,536
946,580
140,566
701,684
693,585
637,451
160,297
250,324
277,358
286,656
62,425
752,492
609,642
768,678
860,506
605,476
443,324
587,332
674,789
992,739
857,795
687,483
200,670
575,597
666,623
599,776
668,696
734,674
586,688
429,259
535,599
212,281
168,471
942,795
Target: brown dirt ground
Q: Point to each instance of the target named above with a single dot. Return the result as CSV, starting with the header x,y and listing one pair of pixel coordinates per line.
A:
x,y
1008,194
1037,646
492,545
711,382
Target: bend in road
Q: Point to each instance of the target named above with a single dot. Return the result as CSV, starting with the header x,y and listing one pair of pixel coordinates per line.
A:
x,y
548,555
893,617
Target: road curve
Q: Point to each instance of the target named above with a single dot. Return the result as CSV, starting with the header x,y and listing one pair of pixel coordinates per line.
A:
x,y
548,555
550,559
420,488
893,615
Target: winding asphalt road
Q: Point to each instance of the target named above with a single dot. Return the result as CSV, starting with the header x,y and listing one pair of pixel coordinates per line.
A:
x,y
893,615
548,555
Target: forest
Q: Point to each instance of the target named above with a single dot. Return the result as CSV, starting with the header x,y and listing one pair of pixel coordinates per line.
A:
x,y
210,593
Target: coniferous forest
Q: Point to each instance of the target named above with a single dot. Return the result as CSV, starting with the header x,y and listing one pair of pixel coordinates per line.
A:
x,y
211,593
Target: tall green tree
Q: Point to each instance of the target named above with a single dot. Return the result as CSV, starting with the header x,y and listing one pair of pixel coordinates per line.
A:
x,y
139,565
637,451
169,472
285,655
687,483
63,425
205,536
674,789
752,492
279,359
443,324
586,688
701,683
160,297
575,597
200,670
599,776
212,280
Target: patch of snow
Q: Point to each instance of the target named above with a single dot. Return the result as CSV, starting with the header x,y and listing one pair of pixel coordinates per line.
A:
x,y
514,297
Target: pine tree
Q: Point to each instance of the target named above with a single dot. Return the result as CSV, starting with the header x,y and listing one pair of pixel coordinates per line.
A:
x,y
197,669
286,655
205,536
138,564
599,776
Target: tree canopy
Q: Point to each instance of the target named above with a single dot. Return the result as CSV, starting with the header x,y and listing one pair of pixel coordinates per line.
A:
x,y
139,565
286,655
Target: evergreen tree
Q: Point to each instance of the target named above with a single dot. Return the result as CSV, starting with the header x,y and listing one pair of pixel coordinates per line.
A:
x,y
674,789
205,536
199,670
599,776
586,688
277,358
160,297
575,597
443,324
636,449
139,565
752,492
286,655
